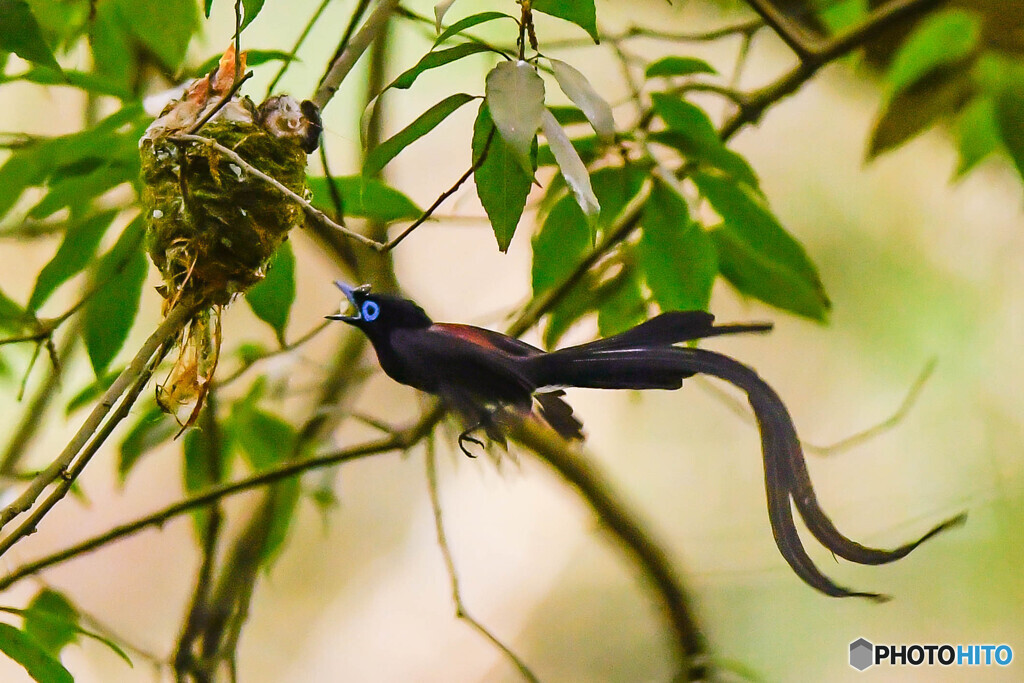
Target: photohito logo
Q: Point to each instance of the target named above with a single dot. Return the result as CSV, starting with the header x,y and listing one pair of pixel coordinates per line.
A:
x,y
865,654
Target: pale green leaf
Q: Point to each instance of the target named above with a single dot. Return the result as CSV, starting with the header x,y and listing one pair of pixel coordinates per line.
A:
x,y
578,89
572,167
515,98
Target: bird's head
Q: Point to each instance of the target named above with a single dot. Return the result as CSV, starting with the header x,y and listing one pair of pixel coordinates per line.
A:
x,y
376,313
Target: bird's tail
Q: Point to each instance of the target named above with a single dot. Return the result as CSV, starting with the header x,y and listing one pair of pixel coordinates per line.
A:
x,y
615,366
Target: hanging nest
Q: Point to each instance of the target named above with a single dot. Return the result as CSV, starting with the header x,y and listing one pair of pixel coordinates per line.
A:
x,y
212,227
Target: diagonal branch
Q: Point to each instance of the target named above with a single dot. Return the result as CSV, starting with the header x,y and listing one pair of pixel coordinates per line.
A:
x,y
375,23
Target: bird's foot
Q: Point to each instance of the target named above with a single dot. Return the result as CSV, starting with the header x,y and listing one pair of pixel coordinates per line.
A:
x,y
465,436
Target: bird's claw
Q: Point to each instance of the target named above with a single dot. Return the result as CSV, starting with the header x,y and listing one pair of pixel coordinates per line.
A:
x,y
465,436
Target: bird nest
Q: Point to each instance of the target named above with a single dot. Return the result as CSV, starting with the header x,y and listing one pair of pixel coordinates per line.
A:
x,y
212,224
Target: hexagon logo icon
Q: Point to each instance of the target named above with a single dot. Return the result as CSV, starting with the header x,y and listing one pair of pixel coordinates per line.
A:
x,y
862,654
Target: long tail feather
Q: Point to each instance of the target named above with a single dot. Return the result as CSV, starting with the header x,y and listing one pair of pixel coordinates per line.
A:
x,y
786,475
667,329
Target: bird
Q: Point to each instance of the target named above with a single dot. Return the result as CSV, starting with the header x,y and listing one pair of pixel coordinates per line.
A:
x,y
479,372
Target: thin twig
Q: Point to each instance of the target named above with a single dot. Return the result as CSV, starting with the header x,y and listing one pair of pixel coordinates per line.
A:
x,y
298,44
276,352
310,210
453,576
165,332
399,442
70,473
375,23
742,410
443,196
220,105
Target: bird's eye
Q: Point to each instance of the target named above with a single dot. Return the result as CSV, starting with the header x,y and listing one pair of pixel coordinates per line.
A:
x,y
370,311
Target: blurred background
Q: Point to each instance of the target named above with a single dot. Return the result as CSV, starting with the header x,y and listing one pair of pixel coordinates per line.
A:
x,y
918,267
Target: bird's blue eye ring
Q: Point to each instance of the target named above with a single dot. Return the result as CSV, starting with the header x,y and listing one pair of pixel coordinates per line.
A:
x,y
370,311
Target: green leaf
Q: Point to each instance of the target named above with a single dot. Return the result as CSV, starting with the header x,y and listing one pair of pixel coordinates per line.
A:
x,y
89,82
426,122
364,198
75,252
76,191
111,46
615,186
625,306
206,459
515,100
39,664
469,22
252,58
678,66
153,428
755,273
207,6
676,256
434,59
20,34
578,89
1009,115
61,618
501,183
266,440
114,138
147,21
52,621
252,9
12,316
945,37
589,147
572,167
693,134
942,92
762,259
561,243
568,116
110,311
271,299
978,133
579,12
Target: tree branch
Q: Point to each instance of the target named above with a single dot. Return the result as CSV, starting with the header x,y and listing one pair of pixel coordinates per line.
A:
x,y
375,23
650,558
62,466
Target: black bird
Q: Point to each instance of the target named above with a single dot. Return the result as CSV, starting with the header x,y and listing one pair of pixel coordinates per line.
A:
x,y
478,372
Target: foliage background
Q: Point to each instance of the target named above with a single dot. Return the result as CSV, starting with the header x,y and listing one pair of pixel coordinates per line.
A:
x,y
916,267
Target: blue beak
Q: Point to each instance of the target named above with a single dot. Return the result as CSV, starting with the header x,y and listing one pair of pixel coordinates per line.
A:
x,y
350,294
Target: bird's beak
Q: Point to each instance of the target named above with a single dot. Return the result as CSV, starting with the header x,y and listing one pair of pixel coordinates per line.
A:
x,y
350,294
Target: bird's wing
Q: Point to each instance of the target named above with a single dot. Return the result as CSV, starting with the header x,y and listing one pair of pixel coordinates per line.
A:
x,y
488,339
454,365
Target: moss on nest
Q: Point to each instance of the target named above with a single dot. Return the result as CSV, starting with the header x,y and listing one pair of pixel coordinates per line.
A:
x,y
211,226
